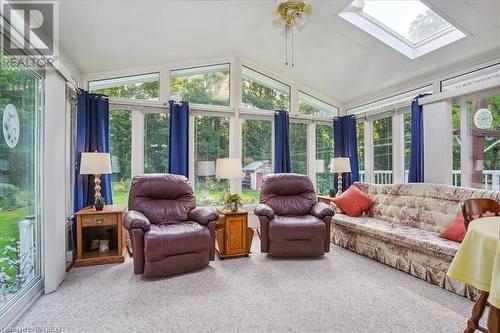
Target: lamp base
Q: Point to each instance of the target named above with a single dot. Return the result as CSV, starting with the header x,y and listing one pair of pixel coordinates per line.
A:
x,y
339,185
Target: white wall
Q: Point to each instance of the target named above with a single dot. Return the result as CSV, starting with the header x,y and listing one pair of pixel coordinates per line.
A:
x,y
54,181
438,146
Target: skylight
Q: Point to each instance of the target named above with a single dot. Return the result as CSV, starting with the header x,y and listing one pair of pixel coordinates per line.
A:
x,y
409,26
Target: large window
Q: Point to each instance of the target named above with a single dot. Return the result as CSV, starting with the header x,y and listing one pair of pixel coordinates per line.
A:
x,y
19,182
407,142
262,92
312,106
211,143
298,147
156,141
201,85
360,134
120,141
324,154
382,150
456,143
484,140
257,156
145,87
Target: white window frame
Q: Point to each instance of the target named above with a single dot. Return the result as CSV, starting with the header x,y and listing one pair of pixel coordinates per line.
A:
x,y
235,112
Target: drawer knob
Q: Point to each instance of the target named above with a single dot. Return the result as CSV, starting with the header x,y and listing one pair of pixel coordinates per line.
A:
x,y
99,220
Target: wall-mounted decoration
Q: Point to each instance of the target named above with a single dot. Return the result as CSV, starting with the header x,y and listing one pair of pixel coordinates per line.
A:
x,y
483,119
11,125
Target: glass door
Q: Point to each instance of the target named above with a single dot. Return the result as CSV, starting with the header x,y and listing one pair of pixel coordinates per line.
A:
x,y
19,186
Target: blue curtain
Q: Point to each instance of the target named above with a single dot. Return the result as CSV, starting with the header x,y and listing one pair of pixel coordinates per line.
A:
x,y
346,145
416,173
178,157
282,162
92,134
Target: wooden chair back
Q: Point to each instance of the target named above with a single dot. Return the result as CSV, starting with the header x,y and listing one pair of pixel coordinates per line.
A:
x,y
475,208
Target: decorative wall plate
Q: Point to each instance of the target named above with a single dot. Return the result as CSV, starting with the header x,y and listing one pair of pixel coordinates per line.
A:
x,y
11,125
483,119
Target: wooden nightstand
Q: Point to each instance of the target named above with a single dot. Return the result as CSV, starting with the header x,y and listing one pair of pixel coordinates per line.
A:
x,y
233,236
104,224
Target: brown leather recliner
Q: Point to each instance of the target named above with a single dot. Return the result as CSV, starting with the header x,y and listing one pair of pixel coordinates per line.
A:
x,y
292,223
169,234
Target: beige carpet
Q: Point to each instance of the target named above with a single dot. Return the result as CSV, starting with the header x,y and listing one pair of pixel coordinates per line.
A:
x,y
342,292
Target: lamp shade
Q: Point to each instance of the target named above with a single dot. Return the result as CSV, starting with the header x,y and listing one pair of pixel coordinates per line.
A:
x,y
95,164
228,168
341,164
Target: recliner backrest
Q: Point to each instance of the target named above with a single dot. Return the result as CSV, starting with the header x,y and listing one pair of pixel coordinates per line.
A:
x,y
163,198
288,193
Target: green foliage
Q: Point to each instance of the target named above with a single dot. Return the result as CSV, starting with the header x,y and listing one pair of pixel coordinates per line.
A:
x,y
233,200
298,147
382,144
256,95
324,152
156,142
120,133
360,135
143,90
208,88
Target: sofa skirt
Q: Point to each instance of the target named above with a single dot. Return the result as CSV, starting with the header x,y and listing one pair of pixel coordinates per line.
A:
x,y
421,265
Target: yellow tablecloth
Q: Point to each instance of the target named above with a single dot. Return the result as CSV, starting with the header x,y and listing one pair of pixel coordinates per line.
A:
x,y
477,261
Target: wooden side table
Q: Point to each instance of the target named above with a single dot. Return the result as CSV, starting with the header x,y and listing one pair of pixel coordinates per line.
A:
x,y
325,198
101,225
233,236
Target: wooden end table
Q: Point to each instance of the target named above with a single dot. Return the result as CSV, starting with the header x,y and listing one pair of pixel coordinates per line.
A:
x,y
325,198
104,224
233,236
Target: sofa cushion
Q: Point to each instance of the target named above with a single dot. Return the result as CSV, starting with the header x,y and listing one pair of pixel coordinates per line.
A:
x,y
353,202
421,239
304,227
170,239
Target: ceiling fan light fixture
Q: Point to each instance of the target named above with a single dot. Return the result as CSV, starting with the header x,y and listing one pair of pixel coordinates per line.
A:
x,y
291,14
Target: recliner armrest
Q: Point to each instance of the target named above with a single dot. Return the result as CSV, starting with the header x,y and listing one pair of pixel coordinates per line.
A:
x,y
322,210
203,215
136,220
264,210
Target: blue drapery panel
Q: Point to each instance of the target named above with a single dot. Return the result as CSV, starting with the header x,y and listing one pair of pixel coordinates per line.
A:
x,y
179,139
92,134
416,173
346,145
282,163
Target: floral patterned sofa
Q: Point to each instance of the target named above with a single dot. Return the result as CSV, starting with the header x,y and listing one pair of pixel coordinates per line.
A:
x,y
402,229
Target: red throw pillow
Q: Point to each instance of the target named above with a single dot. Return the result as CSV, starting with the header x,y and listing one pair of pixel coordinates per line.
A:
x,y
353,202
455,231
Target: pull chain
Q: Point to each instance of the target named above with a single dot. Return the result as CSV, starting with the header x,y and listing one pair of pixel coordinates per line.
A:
x,y
286,44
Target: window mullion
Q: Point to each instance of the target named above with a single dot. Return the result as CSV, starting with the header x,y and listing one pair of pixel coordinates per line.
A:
x,y
137,154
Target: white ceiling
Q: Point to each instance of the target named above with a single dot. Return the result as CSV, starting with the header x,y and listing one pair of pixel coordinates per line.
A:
x,y
333,57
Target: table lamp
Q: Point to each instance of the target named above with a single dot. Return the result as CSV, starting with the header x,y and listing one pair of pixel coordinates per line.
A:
x,y
96,164
340,165
228,168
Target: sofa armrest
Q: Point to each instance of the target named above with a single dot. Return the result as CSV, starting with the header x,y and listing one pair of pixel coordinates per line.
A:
x,y
136,220
264,210
203,215
322,210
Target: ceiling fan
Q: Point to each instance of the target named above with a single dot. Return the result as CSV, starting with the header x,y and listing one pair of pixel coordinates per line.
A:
x,y
291,15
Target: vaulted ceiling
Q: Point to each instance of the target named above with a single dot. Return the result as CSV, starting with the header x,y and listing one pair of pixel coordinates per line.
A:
x,y
333,57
